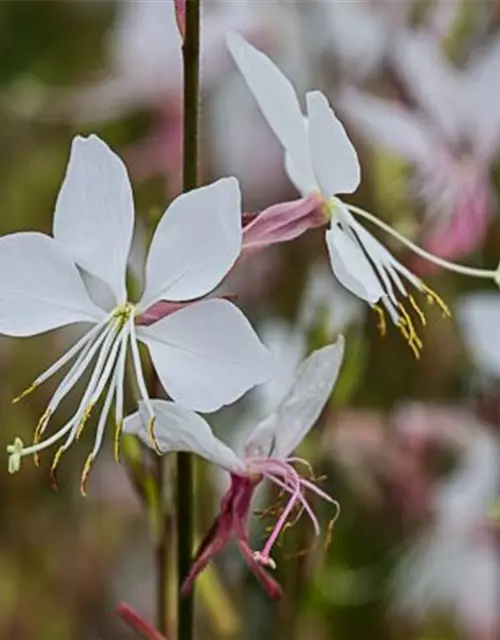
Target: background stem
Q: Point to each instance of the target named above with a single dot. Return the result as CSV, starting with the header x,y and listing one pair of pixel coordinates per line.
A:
x,y
185,462
161,551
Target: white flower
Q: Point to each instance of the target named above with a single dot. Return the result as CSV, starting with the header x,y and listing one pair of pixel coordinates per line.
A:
x,y
206,354
267,454
321,158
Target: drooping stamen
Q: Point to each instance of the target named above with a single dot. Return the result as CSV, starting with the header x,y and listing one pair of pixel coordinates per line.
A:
x,y
136,360
263,556
99,435
77,370
418,311
66,357
98,380
407,328
433,297
382,323
473,272
120,381
285,476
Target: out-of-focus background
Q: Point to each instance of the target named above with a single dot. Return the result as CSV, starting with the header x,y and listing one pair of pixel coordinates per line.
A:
x,y
411,449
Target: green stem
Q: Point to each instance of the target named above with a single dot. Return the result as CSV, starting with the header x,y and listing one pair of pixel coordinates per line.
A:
x,y
161,550
185,462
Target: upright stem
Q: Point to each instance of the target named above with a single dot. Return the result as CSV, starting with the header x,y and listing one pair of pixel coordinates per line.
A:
x,y
162,549
185,463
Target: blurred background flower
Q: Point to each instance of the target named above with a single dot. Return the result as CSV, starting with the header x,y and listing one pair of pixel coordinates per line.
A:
x,y
410,449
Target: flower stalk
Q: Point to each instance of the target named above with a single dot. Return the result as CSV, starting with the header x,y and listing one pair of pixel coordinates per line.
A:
x,y
185,462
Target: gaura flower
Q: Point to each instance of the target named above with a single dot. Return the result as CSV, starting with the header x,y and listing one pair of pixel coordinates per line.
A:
x,y
322,162
267,456
205,353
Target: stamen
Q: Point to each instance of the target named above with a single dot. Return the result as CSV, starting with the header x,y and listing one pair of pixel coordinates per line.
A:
x,y
119,384
84,420
66,357
382,323
53,467
85,475
152,435
407,328
418,311
116,442
445,264
26,392
136,360
433,297
103,342
40,427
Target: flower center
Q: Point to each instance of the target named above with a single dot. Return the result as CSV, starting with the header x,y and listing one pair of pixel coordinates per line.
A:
x,y
103,352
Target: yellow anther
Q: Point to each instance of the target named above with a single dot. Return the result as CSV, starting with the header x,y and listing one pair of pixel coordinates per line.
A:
x,y
152,435
123,314
25,393
418,310
407,328
84,420
40,428
85,475
382,323
432,297
406,335
329,533
53,466
116,444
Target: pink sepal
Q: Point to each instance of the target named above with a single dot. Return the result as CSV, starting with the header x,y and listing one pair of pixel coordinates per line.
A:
x,y
232,521
284,222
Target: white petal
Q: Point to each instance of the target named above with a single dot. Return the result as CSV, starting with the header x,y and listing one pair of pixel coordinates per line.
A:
x,y
94,216
351,267
278,101
280,433
334,158
195,244
432,80
206,355
479,318
178,429
390,125
40,287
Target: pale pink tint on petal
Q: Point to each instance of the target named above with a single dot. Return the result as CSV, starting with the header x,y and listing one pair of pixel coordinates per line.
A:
x,y
284,222
160,310
164,308
464,230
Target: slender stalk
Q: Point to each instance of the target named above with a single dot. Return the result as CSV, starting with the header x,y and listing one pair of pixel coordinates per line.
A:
x,y
185,462
161,551
473,272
